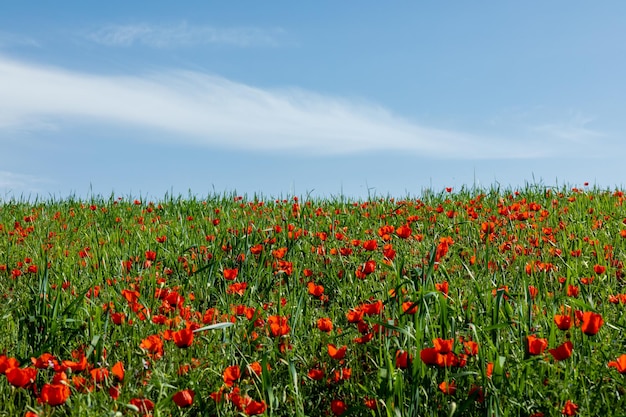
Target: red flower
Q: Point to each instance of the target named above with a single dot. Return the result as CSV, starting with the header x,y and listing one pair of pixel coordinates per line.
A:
x,y
231,374
230,274
536,346
370,245
599,269
45,361
278,325
255,408
99,375
563,322
183,338
562,352
118,371
569,409
21,377
183,398
471,347
54,394
338,407
443,345
143,404
7,363
442,287
402,359
591,323
118,318
315,290
337,353
238,288
316,374
372,309
325,324
153,344
76,366
409,307
619,364
403,231
448,388
430,356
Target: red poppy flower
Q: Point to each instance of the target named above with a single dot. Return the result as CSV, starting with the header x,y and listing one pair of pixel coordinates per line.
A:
x,y
442,287
619,364
591,323
370,245
355,315
402,359
183,338
448,388
278,325
404,231
316,374
535,345
238,288
118,318
443,345
115,391
230,274
183,398
7,363
599,269
76,366
471,347
21,377
231,374
255,367
338,407
569,409
45,361
143,404
54,394
573,291
153,344
325,324
255,408
430,356
337,353
118,371
372,309
99,375
562,352
409,307
563,322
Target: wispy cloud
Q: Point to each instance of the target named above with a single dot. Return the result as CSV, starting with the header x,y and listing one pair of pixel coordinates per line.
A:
x,y
184,35
12,39
576,130
10,181
204,110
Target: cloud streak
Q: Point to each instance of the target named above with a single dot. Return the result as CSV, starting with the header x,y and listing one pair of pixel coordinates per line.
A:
x,y
184,35
16,181
205,110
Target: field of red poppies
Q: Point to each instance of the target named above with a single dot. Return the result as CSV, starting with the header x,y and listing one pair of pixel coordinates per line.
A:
x,y
458,303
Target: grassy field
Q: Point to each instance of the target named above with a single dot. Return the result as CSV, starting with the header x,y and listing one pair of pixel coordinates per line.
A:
x,y
458,303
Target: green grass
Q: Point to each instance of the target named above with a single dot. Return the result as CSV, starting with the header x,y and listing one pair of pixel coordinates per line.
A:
x,y
68,268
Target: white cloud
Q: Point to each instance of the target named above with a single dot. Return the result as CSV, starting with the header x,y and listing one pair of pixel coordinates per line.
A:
x,y
204,110
10,181
184,34
572,130
12,40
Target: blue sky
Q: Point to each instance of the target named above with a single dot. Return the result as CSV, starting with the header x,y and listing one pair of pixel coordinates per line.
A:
x,y
322,98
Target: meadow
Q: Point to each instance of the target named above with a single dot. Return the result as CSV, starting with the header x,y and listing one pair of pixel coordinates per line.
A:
x,y
457,303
